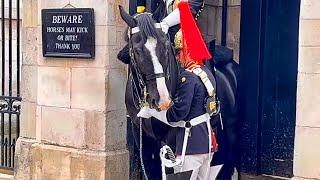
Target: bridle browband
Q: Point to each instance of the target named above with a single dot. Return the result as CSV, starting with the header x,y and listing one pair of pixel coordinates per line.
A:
x,y
137,29
155,76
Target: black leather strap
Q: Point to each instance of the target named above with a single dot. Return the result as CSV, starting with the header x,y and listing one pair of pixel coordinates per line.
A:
x,y
155,76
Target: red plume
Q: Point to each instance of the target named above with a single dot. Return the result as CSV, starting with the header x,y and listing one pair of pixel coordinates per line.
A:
x,y
193,44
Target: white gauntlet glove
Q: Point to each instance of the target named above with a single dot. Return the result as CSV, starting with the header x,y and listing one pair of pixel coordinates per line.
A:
x,y
164,27
146,112
171,20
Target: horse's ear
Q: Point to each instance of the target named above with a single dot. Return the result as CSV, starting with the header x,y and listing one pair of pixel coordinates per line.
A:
x,y
131,22
160,12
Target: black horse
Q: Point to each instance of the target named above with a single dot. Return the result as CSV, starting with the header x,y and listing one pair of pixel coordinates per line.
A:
x,y
142,86
227,73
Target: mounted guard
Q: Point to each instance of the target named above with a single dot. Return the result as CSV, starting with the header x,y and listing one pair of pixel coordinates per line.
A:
x,y
194,105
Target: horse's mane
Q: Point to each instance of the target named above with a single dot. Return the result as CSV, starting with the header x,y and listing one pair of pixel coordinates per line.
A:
x,y
146,25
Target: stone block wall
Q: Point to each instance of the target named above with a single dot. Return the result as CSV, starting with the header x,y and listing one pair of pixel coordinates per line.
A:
x,y
73,122
307,144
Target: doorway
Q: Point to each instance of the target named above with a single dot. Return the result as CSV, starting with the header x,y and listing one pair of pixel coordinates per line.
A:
x,y
269,61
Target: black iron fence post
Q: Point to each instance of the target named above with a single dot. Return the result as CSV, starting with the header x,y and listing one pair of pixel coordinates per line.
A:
x,y
10,91
224,23
3,35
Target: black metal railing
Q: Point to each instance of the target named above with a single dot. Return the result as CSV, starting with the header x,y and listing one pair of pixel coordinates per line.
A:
x,y
10,81
224,24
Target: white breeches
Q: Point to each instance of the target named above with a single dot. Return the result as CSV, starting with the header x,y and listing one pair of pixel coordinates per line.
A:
x,y
200,164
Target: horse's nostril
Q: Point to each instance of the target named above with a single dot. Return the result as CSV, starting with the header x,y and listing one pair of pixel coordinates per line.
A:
x,y
156,103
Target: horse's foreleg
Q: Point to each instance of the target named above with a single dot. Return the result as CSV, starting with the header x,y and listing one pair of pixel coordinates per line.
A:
x,y
150,153
133,152
231,154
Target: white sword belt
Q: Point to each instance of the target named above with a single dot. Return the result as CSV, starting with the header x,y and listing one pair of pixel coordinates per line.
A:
x,y
187,125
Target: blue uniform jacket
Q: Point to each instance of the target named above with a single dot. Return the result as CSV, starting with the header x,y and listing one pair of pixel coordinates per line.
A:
x,y
189,103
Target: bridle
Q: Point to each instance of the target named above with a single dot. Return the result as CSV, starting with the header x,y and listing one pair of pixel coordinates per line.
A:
x,y
140,85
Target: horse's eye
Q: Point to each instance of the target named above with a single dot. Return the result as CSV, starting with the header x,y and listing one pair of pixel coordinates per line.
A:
x,y
138,51
136,39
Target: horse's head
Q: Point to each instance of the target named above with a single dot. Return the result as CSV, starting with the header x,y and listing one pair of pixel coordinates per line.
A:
x,y
149,52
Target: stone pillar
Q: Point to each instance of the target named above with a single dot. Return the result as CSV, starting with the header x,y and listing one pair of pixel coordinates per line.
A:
x,y
233,24
73,123
307,144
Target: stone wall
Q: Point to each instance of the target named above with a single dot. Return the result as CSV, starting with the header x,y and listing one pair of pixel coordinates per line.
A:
x,y
307,144
73,123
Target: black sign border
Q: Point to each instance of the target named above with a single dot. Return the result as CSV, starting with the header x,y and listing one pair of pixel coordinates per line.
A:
x,y
68,55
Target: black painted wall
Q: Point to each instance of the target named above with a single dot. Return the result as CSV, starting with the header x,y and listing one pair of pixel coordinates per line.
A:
x,y
250,47
268,60
132,6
